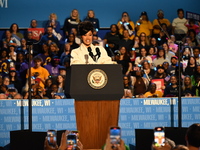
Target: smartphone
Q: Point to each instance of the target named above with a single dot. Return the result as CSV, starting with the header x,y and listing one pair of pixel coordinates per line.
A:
x,y
115,136
159,136
77,134
71,141
51,137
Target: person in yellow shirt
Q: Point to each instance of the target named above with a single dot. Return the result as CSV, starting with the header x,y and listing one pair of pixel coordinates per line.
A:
x,y
126,24
157,23
39,73
144,25
153,92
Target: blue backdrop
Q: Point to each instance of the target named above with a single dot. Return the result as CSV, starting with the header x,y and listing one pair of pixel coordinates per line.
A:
x,y
108,11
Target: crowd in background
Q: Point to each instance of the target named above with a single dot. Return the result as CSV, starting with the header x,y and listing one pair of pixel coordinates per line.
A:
x,y
151,55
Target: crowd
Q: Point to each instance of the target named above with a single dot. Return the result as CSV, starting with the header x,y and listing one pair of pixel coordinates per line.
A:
x,y
149,53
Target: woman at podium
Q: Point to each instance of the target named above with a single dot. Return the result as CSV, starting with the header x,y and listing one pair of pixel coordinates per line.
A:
x,y
87,53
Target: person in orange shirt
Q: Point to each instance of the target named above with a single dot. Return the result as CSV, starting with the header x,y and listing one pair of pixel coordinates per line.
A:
x,y
153,92
39,73
126,24
157,23
144,25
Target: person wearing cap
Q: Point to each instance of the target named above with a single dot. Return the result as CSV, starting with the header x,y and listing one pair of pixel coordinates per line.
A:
x,y
87,53
173,68
160,72
158,22
53,67
144,25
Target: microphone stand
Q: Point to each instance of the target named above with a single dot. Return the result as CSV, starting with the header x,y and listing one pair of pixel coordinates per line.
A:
x,y
179,88
30,45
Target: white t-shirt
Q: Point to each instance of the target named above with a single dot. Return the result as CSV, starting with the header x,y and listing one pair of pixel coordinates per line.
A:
x,y
180,28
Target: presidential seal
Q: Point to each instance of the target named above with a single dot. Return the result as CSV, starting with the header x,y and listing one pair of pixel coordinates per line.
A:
x,y
97,79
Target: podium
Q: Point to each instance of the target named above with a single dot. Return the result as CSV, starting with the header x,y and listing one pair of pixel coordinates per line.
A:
x,y
97,90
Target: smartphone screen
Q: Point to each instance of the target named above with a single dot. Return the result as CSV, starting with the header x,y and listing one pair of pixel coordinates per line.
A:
x,y
159,136
115,135
51,137
71,141
77,134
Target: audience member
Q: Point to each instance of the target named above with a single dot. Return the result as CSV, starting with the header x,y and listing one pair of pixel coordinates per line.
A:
x,y
178,27
153,92
49,36
143,56
123,58
139,83
171,90
157,28
111,40
55,24
14,29
38,72
144,25
71,22
91,17
193,137
128,88
125,23
125,41
161,57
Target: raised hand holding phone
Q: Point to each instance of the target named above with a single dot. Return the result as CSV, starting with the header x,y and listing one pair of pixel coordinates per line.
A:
x,y
159,136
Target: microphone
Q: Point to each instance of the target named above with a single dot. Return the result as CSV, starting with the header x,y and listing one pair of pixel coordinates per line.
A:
x,y
86,58
91,53
98,52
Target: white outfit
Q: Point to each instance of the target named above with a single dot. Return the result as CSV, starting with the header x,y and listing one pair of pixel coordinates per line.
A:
x,y
159,61
81,56
138,60
180,28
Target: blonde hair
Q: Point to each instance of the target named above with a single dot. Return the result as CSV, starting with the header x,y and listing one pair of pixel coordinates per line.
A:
x,y
190,86
92,12
53,14
78,17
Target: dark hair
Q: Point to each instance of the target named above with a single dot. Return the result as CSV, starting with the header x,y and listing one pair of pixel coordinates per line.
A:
x,y
191,30
141,50
4,49
85,27
145,14
127,15
126,55
191,21
11,30
37,58
189,61
193,135
115,27
180,9
196,47
160,49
